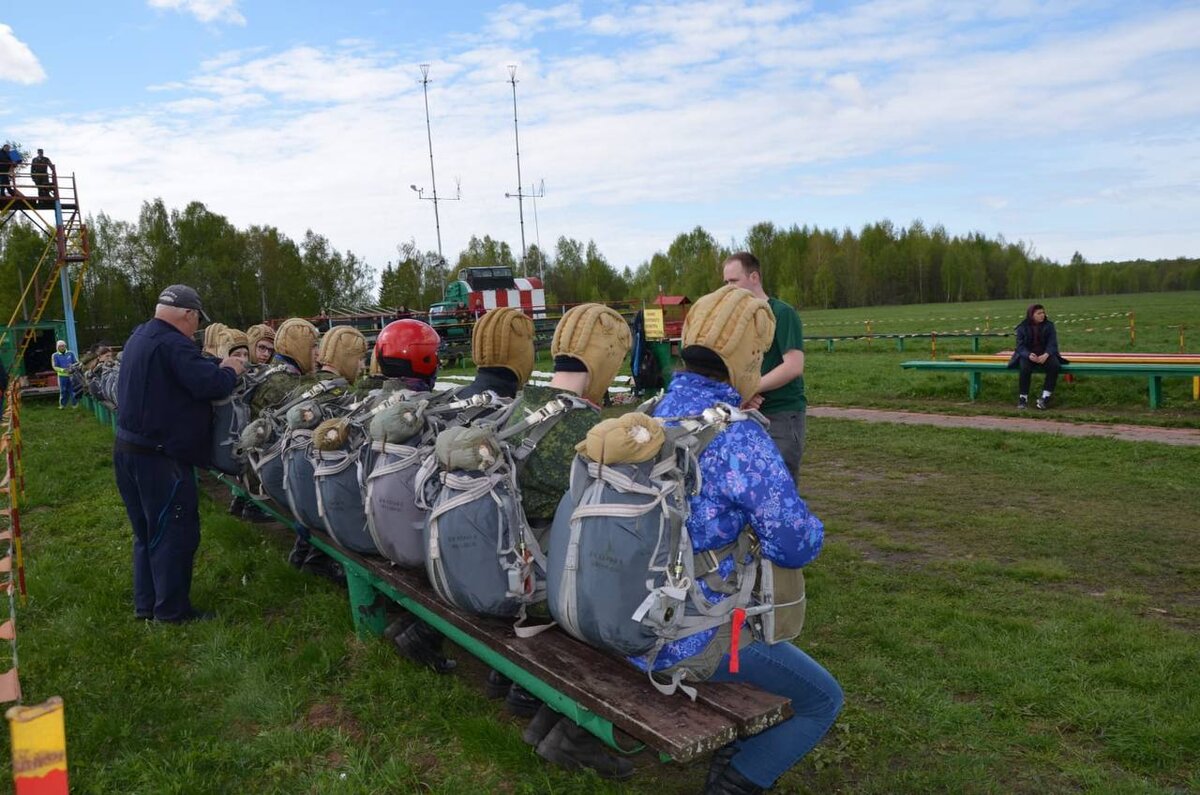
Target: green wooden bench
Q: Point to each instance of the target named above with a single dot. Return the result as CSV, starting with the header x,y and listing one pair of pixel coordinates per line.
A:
x,y
604,695
900,337
1153,373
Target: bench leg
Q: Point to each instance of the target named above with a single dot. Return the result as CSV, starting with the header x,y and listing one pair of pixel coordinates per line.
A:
x,y
976,383
367,606
975,345
1155,391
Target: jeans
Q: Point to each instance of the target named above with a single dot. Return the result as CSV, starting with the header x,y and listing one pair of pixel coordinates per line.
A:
x,y
787,431
816,698
66,391
1027,368
161,502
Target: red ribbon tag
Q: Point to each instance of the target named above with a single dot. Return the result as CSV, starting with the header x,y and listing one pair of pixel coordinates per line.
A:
x,y
739,618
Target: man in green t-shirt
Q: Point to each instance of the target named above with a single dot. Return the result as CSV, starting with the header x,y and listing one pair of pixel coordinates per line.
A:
x,y
781,392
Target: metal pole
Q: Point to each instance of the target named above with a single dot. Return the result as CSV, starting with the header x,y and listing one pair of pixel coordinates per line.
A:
x,y
512,78
64,279
437,221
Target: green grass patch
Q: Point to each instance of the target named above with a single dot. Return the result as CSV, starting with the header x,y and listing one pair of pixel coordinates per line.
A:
x,y
1006,612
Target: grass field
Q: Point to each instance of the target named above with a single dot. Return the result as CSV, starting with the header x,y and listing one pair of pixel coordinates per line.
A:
x,y
858,374
1006,612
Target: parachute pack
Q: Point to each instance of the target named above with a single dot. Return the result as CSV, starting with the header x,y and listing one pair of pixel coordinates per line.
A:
x,y
230,416
480,553
262,440
341,459
622,574
401,442
299,480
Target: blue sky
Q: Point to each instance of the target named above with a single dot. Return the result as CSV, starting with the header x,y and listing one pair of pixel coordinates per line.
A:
x,y
1067,125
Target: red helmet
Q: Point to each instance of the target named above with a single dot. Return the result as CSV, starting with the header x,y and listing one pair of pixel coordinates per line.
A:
x,y
407,347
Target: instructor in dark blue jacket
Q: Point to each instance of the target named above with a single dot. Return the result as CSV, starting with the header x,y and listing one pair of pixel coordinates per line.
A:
x,y
164,419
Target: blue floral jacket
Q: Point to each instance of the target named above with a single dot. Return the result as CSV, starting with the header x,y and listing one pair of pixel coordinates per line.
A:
x,y
745,482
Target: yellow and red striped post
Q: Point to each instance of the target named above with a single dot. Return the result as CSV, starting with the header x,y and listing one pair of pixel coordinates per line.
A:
x,y
39,748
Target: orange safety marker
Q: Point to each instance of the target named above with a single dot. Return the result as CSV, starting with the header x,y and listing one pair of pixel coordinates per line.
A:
x,y
39,748
10,686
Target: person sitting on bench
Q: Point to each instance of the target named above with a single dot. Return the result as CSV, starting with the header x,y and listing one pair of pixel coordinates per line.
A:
x,y
722,368
1037,346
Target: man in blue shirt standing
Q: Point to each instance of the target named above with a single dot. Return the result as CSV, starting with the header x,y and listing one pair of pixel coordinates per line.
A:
x,y
61,361
164,427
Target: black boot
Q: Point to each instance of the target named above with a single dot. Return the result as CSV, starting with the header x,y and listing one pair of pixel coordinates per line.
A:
x,y
497,685
422,644
573,748
720,760
299,552
252,513
521,702
540,726
318,563
237,506
731,782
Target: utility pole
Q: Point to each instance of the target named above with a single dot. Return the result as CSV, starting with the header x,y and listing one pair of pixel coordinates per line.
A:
x,y
437,221
520,194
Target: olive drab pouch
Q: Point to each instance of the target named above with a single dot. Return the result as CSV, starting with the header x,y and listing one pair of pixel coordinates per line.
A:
x,y
480,553
783,589
401,443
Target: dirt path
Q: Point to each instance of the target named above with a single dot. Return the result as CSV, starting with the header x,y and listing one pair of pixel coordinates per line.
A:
x,y
1128,433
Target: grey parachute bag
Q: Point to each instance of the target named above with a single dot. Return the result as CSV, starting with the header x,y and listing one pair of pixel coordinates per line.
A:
x,y
230,416
297,455
262,442
480,553
401,442
621,572
341,458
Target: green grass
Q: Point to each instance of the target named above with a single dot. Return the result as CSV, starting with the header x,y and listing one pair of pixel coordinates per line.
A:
x,y
1006,612
860,374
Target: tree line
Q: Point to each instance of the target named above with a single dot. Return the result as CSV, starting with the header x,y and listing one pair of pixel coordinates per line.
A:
x,y
250,274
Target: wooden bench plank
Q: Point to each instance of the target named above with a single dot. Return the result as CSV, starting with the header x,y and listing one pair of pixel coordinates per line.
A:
x,y
608,687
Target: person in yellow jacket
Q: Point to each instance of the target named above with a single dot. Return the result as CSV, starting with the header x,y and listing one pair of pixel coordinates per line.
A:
x,y
62,361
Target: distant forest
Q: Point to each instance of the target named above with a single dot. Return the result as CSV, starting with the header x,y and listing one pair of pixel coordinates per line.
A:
x,y
246,275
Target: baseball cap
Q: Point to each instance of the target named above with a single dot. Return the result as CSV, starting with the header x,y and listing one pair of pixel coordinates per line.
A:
x,y
184,297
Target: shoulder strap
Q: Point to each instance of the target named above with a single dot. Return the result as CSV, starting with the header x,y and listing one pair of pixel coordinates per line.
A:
x,y
540,422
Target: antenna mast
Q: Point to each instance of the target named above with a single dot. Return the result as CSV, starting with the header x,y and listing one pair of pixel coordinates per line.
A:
x,y
512,78
437,221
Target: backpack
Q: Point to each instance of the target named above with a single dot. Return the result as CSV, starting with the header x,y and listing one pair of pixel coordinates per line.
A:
x,y
296,455
230,416
262,441
402,446
343,457
480,553
621,571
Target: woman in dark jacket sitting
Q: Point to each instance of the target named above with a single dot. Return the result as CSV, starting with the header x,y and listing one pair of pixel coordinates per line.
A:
x,y
1037,346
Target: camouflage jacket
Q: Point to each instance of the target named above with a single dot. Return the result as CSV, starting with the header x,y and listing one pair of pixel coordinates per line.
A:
x,y
272,392
546,475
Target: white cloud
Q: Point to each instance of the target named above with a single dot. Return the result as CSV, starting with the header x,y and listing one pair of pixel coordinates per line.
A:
x,y
707,112
205,10
18,64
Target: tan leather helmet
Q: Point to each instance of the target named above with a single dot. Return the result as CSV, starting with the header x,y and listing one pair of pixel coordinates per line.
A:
x,y
599,337
294,339
343,349
504,338
736,326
